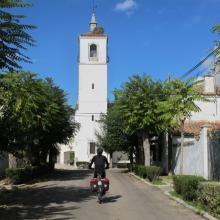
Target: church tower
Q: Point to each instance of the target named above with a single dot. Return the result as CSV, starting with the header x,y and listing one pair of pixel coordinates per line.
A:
x,y
92,89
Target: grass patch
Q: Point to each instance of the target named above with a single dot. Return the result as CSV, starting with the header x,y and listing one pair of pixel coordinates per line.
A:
x,y
167,179
158,182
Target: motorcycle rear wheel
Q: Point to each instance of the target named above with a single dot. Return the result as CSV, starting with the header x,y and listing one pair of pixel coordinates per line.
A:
x,y
100,199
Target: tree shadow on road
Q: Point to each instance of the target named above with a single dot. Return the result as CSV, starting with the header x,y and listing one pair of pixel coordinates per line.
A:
x,y
46,199
62,175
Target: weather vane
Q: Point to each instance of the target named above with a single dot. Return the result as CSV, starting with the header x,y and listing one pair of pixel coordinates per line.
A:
x,y
94,6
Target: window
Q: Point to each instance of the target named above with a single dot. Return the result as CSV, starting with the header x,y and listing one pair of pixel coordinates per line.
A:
x,y
93,51
92,148
92,117
93,86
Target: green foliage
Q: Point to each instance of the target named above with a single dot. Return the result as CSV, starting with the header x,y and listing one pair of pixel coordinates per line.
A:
x,y
150,172
153,172
22,175
34,116
209,196
72,158
179,102
216,28
19,175
13,35
140,170
112,136
137,102
187,186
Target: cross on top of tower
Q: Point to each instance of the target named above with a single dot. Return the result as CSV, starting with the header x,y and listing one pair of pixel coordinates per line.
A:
x,y
94,6
93,23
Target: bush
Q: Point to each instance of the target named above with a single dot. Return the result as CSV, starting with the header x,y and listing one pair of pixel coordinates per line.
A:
x,y
153,172
150,172
140,171
209,196
187,186
72,158
19,175
22,175
40,170
82,164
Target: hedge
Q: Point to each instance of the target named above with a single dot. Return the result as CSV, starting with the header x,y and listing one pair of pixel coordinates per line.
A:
x,y
22,175
82,164
187,186
72,158
150,172
209,196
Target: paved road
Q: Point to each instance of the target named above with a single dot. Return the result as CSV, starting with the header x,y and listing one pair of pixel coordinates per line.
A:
x,y
66,196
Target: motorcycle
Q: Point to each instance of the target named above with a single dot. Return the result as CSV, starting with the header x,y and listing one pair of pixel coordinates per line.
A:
x,y
100,186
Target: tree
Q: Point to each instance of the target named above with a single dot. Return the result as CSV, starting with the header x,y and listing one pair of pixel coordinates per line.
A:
x,y
34,117
137,100
112,136
179,105
13,36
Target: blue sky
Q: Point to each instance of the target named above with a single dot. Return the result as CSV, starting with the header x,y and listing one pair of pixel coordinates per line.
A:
x,y
155,37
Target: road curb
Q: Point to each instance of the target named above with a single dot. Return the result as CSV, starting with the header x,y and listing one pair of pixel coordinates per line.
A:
x,y
178,200
141,179
197,211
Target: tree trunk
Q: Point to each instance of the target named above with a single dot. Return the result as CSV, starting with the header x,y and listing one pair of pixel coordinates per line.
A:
x,y
181,148
110,162
51,158
131,158
170,153
140,154
137,154
15,162
146,148
165,153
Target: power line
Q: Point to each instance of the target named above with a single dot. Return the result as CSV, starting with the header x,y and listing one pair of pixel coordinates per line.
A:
x,y
200,63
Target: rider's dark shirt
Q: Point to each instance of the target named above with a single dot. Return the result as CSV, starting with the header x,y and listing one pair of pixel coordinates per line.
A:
x,y
101,163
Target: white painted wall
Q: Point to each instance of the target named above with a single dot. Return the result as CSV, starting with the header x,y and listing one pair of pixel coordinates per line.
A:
x,y
209,84
92,100
210,111
85,42
195,155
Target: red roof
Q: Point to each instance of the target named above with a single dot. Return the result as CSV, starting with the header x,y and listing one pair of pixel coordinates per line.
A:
x,y
194,127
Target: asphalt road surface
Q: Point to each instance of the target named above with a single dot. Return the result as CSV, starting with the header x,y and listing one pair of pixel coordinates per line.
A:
x,y
67,196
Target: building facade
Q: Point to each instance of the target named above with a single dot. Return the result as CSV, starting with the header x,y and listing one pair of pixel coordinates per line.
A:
x,y
201,151
92,93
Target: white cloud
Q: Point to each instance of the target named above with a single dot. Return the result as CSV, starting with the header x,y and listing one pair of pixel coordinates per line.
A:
x,y
127,5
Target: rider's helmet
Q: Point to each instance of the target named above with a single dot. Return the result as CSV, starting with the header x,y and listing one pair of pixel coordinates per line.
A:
x,y
99,151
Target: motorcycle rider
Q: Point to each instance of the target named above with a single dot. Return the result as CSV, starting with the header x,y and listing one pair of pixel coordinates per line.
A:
x,y
101,163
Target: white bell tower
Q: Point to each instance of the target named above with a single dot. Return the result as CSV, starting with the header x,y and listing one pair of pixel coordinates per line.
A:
x,y
92,89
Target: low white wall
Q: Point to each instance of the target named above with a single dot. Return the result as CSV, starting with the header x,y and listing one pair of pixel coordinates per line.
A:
x,y
195,157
